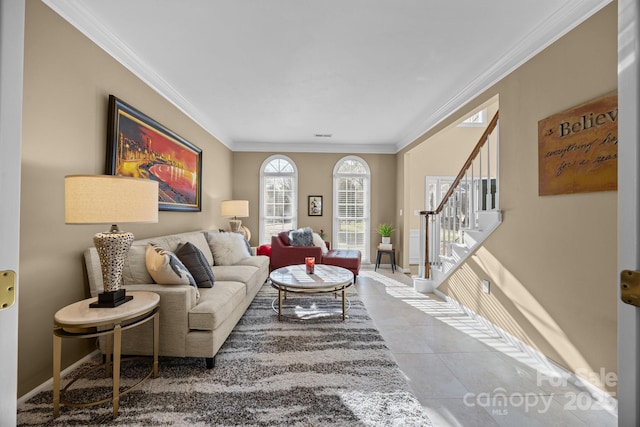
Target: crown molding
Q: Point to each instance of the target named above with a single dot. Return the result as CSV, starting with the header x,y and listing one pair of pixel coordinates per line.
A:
x,y
320,147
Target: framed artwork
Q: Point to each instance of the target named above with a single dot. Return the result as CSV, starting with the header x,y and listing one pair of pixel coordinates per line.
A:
x,y
315,205
140,147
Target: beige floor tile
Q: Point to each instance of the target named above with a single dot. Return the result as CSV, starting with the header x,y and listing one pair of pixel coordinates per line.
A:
x,y
462,372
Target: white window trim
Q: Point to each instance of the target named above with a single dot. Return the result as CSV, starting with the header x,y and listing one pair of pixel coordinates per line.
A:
x,y
294,220
367,202
481,123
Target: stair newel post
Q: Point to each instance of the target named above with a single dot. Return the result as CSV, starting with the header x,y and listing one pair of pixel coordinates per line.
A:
x,y
497,167
427,253
427,264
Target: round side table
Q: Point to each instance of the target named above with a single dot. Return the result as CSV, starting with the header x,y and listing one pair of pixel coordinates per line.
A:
x,y
78,320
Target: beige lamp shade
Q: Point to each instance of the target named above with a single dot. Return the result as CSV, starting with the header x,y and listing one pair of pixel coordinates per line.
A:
x,y
107,199
235,208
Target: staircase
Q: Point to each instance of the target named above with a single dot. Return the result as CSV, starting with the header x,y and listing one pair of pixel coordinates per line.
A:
x,y
465,216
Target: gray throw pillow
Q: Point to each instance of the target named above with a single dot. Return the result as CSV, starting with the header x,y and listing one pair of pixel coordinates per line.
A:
x,y
195,261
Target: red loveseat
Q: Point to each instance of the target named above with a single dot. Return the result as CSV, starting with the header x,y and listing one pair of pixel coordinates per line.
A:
x,y
283,254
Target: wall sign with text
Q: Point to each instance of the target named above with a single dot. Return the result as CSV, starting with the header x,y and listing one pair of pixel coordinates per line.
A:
x,y
578,148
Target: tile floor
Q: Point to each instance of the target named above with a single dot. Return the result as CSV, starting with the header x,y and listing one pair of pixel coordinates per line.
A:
x,y
463,373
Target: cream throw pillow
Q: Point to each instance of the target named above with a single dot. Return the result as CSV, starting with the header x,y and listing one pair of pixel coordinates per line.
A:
x,y
166,269
228,248
318,241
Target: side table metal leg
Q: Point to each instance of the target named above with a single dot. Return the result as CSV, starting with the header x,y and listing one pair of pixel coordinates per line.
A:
x,y
117,339
57,350
107,355
156,340
344,304
279,305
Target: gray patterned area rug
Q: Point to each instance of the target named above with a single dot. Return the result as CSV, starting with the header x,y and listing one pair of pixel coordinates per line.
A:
x,y
292,373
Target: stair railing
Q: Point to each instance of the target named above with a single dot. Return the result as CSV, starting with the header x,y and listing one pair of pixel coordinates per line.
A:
x,y
469,194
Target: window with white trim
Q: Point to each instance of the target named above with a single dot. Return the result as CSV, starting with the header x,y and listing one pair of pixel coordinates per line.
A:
x,y
478,119
351,207
278,196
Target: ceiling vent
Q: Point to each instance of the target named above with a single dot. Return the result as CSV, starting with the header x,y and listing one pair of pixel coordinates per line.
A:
x,y
323,135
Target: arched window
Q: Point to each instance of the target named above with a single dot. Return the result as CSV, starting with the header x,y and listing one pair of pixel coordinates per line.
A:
x,y
278,201
351,208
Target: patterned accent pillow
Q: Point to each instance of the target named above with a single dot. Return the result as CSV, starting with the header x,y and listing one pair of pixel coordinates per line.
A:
x,y
166,269
302,237
195,261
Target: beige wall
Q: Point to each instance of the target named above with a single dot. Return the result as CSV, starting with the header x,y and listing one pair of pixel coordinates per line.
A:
x,y
67,81
552,263
315,177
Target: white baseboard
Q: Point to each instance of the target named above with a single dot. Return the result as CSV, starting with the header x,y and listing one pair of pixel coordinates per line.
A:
x,y
553,370
47,385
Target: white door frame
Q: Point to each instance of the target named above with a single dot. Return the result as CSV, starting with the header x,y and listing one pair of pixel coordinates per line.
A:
x,y
12,13
628,207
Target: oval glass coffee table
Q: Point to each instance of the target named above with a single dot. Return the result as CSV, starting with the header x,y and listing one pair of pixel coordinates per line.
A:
x,y
326,279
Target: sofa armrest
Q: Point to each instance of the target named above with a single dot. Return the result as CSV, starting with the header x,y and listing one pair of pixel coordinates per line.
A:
x,y
175,303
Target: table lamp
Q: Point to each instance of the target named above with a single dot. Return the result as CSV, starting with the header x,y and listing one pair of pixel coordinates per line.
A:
x,y
107,199
235,209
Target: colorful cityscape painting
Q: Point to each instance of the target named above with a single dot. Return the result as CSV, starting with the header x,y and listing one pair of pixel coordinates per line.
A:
x,y
140,147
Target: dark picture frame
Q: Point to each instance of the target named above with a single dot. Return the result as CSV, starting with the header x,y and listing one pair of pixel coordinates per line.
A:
x,y
140,147
315,205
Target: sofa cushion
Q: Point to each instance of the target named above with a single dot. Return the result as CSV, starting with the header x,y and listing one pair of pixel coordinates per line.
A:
x,y
135,268
216,304
227,248
165,268
346,258
259,261
234,273
197,264
302,237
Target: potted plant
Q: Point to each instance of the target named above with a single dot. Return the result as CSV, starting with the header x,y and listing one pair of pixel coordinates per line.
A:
x,y
385,231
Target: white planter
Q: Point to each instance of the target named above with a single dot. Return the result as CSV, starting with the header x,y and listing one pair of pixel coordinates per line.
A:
x,y
386,240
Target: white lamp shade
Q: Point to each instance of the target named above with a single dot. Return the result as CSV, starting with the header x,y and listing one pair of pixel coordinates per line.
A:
x,y
107,199
235,208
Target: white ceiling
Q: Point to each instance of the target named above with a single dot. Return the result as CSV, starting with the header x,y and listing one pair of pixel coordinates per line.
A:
x,y
269,75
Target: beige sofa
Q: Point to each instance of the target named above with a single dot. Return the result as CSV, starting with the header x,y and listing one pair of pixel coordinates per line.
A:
x,y
189,326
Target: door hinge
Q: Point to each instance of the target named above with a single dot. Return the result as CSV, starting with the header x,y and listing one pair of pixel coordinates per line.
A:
x,y
7,288
630,287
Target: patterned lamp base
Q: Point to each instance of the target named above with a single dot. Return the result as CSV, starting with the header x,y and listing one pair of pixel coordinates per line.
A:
x,y
112,249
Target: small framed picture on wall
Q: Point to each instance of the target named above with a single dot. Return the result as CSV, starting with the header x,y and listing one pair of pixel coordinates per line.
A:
x,y
315,205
